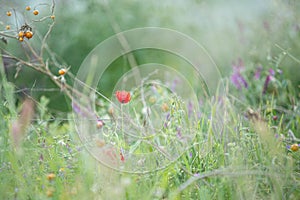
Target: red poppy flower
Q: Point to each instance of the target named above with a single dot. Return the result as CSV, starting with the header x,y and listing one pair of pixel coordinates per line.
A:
x,y
123,96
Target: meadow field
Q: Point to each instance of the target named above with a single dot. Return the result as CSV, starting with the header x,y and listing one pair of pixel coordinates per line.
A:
x,y
133,99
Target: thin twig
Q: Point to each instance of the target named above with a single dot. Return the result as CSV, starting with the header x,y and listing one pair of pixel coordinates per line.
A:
x,y
45,38
8,36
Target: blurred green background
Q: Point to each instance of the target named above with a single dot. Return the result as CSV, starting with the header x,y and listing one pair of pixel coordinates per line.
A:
x,y
227,29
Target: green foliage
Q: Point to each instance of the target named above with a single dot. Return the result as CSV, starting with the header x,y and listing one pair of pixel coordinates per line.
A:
x,y
248,158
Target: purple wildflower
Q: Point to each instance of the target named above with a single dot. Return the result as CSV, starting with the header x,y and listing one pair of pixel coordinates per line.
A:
x,y
269,78
271,72
279,71
267,81
266,26
236,78
75,107
83,111
168,117
179,132
190,109
199,114
41,157
240,26
69,148
165,124
296,27
79,149
174,84
257,72
201,104
154,88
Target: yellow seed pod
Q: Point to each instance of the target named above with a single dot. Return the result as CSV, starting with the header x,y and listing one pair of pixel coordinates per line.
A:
x,y
52,17
28,8
7,27
21,39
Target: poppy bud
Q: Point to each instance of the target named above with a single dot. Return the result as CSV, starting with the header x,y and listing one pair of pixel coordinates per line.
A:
x,y
100,123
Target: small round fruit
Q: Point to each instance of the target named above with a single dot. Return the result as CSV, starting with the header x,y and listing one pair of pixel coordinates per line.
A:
x,y
21,39
35,12
28,8
62,71
294,147
28,34
52,17
8,13
21,34
51,176
7,27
